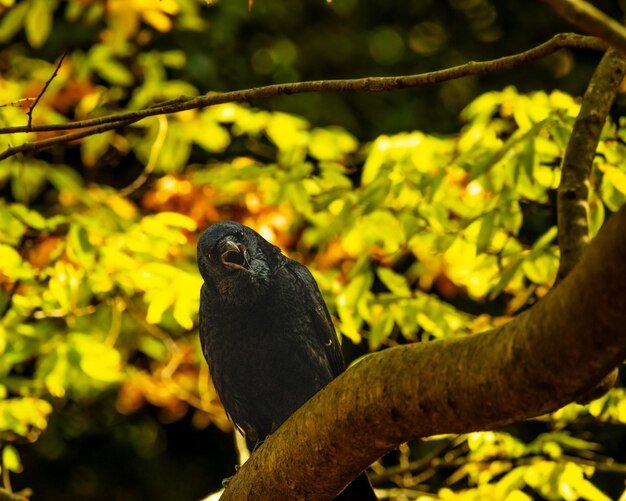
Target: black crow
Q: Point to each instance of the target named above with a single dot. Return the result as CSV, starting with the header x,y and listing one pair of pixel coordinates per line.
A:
x,y
265,332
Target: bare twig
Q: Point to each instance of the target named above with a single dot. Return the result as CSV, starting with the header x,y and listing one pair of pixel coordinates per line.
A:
x,y
369,84
578,160
45,87
17,102
65,138
591,20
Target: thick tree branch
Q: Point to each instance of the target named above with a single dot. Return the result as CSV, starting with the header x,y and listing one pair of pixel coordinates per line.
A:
x,y
578,160
536,363
573,191
370,84
591,20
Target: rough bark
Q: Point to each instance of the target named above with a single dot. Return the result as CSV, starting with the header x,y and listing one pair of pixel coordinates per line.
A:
x,y
538,362
573,192
576,168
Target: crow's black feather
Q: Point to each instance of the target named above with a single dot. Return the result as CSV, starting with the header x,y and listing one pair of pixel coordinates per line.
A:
x,y
265,332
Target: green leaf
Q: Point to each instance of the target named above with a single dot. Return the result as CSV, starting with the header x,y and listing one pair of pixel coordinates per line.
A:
x,y
158,305
590,492
395,282
11,228
286,131
620,410
154,348
103,63
511,482
92,148
546,239
486,232
611,196
541,268
38,21
507,275
560,132
176,148
28,181
595,216
527,157
176,220
375,161
380,330
79,248
115,73
30,217
481,163
52,369
64,179
211,136
617,177
98,360
187,300
12,265
64,287
12,21
331,144
20,414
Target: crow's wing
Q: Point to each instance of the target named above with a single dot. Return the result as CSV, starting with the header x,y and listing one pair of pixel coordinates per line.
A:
x,y
316,309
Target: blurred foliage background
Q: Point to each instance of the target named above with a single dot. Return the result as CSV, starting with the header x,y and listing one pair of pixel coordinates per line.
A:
x,y
423,214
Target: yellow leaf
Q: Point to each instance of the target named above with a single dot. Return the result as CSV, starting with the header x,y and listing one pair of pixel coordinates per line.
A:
x,y
11,459
616,176
97,360
157,20
38,22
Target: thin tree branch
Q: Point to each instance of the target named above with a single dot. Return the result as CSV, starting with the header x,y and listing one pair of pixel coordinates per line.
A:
x,y
65,138
45,87
573,190
18,102
536,363
369,84
591,20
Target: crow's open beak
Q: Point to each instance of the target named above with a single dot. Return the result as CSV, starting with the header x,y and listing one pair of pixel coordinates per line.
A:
x,y
234,255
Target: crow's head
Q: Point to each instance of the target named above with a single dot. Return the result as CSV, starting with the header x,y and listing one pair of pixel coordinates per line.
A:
x,y
234,260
